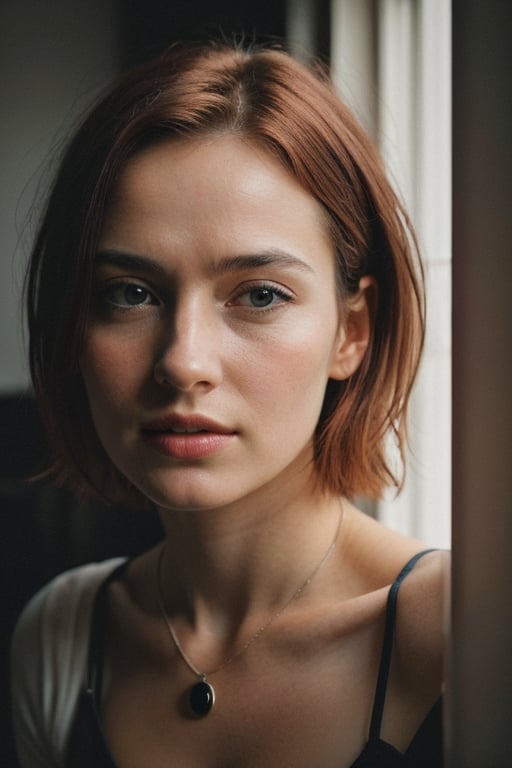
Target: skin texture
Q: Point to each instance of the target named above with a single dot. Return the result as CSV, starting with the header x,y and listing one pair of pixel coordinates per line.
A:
x,y
215,297
199,343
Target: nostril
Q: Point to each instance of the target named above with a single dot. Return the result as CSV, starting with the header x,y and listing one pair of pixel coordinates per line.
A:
x,y
189,361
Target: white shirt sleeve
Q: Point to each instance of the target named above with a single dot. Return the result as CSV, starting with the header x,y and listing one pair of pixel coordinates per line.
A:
x,y
48,663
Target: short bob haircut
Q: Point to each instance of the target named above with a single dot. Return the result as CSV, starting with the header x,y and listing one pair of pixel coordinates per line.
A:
x,y
294,113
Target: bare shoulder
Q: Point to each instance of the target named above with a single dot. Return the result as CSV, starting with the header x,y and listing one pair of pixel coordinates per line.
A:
x,y
422,618
379,553
422,605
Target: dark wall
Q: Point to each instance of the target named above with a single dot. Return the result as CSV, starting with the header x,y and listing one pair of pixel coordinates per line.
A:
x,y
480,703
150,26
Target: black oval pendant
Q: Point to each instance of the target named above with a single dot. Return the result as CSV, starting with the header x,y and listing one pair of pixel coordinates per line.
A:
x,y
201,698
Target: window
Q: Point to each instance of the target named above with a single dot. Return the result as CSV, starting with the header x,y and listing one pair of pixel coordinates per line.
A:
x,y
391,60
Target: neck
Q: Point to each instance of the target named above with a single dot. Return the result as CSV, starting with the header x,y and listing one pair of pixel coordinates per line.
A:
x,y
220,567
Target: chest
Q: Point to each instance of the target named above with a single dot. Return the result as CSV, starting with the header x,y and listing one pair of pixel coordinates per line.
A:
x,y
308,708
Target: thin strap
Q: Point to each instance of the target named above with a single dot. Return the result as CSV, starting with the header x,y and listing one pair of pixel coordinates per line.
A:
x,y
387,647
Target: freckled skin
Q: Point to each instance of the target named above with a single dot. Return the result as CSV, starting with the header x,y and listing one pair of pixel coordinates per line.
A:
x,y
199,342
215,296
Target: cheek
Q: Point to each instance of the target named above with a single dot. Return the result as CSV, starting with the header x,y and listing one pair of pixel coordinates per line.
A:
x,y
290,372
108,370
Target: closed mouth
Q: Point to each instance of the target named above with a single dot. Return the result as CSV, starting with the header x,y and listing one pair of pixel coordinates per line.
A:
x,y
183,430
187,438
177,424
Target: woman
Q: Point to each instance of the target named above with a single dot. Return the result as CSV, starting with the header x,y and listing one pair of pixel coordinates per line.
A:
x,y
225,312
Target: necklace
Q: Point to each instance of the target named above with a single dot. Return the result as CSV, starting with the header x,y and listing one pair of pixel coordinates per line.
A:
x,y
201,696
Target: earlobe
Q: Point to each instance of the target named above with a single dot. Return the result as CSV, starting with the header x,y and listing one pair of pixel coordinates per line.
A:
x,y
355,330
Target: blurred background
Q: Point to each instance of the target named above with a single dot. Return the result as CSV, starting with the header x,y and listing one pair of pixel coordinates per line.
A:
x,y
392,60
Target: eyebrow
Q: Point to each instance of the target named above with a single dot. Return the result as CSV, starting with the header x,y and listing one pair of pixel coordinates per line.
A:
x,y
128,261
271,257
229,264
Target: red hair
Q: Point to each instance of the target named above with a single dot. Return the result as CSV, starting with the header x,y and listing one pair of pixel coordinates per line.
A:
x,y
296,115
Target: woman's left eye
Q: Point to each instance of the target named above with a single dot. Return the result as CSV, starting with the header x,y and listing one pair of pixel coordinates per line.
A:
x,y
261,297
128,295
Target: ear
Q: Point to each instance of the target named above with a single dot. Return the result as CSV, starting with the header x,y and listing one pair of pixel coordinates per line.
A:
x,y
355,330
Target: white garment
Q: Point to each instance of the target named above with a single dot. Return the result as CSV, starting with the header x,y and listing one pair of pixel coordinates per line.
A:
x,y
48,663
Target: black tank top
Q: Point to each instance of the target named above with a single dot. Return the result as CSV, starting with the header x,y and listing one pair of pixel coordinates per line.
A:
x,y
87,747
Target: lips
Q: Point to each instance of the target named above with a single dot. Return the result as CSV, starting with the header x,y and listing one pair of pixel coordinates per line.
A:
x,y
187,437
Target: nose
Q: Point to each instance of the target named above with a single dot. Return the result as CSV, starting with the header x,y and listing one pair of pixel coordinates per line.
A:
x,y
189,355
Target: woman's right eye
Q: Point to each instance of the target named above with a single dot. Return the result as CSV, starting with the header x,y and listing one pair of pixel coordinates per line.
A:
x,y
128,295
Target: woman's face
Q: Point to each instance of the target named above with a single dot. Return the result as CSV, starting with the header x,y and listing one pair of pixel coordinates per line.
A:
x,y
215,325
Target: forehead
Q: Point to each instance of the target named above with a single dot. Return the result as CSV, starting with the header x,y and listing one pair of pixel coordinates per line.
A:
x,y
221,185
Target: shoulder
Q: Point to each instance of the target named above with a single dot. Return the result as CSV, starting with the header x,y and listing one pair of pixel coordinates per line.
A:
x,y
48,657
422,618
62,605
422,600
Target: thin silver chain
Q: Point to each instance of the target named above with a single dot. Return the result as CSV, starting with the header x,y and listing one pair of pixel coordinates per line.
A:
x,y
260,631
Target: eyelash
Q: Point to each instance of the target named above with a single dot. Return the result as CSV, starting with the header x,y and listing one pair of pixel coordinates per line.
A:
x,y
106,296
245,290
